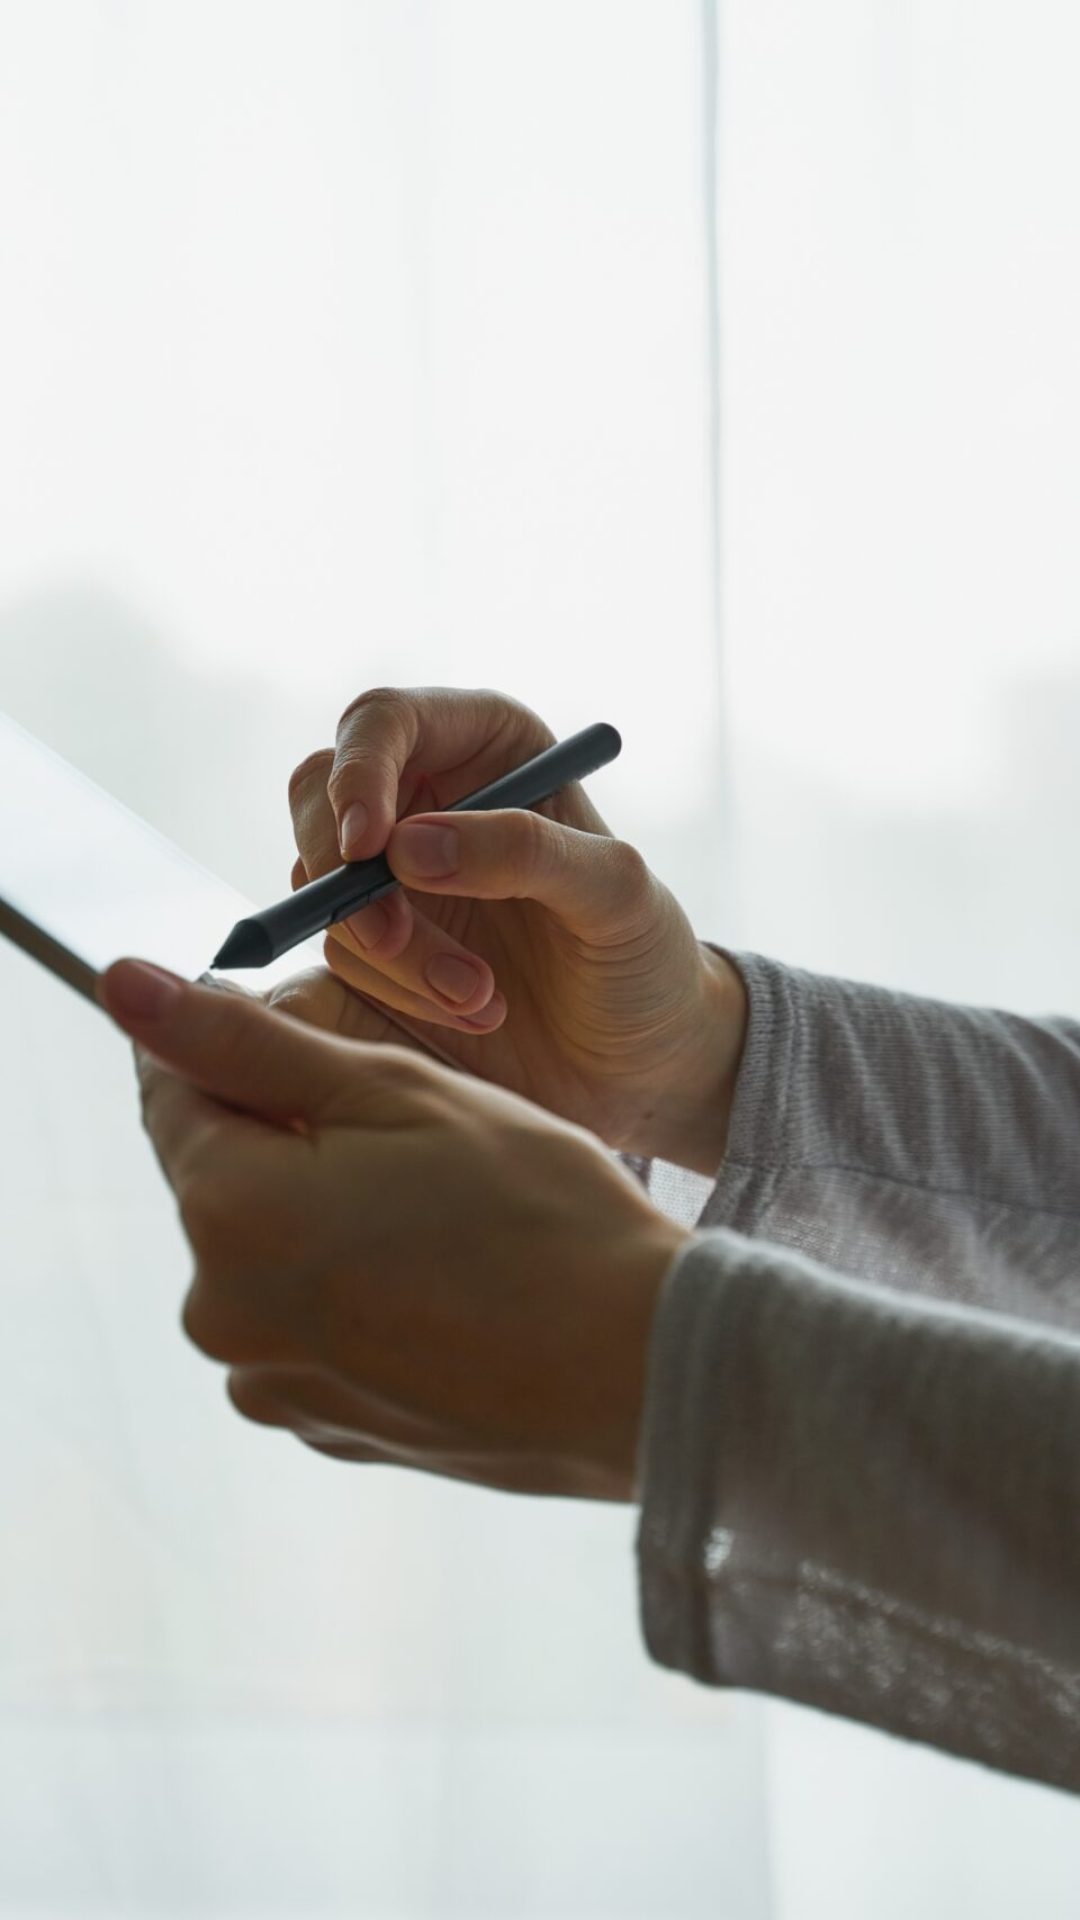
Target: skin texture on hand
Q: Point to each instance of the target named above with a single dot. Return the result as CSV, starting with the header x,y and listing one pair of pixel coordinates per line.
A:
x,y
592,996
397,1262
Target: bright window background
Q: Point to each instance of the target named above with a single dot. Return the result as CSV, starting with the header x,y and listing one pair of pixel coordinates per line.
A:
x,y
900,270
343,344
349,343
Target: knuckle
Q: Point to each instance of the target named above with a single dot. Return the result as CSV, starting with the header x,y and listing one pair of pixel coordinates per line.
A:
x,y
630,865
390,701
390,712
341,784
311,772
405,1069
411,1080
519,721
201,1324
376,717
311,996
252,1396
530,843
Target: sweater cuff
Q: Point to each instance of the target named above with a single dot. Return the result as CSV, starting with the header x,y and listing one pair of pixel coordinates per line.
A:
x,y
678,1410
759,1126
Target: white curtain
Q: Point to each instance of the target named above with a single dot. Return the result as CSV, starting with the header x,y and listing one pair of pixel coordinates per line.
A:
x,y
347,343
343,343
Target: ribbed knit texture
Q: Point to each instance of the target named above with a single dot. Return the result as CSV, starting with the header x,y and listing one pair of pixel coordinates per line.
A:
x,y
860,1452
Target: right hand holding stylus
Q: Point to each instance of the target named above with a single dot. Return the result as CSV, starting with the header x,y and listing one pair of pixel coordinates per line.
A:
x,y
592,996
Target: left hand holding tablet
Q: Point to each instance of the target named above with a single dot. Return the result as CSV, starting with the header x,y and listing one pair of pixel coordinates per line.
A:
x,y
398,1262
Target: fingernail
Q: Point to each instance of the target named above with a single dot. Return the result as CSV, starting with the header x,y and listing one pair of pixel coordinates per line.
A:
x,y
138,991
431,852
454,979
353,827
488,1016
369,925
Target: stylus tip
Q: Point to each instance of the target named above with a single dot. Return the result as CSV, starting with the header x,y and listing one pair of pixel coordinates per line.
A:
x,y
248,945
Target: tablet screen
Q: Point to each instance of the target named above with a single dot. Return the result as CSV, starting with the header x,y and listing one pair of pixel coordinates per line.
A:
x,y
83,880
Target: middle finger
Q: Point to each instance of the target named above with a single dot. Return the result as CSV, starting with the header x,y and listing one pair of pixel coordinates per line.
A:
x,y
390,945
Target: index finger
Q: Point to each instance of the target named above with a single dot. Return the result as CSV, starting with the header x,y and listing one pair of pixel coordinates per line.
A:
x,y
184,1123
460,738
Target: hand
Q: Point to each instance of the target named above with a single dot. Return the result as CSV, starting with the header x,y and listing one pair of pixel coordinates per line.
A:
x,y
397,1262
593,996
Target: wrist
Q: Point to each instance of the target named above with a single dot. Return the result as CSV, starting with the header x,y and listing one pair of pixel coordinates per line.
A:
x,y
693,1132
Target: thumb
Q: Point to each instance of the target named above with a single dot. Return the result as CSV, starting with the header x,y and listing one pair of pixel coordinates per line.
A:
x,y
243,1053
594,884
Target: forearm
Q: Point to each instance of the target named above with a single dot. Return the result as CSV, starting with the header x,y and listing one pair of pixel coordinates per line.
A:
x,y
898,1137
865,1502
858,1491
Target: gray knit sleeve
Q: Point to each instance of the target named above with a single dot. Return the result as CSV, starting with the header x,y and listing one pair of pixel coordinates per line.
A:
x,y
860,1452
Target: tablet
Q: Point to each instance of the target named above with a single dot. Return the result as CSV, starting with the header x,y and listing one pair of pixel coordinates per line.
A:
x,y
84,881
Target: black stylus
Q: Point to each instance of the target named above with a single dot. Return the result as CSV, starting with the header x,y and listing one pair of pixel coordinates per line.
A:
x,y
260,938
